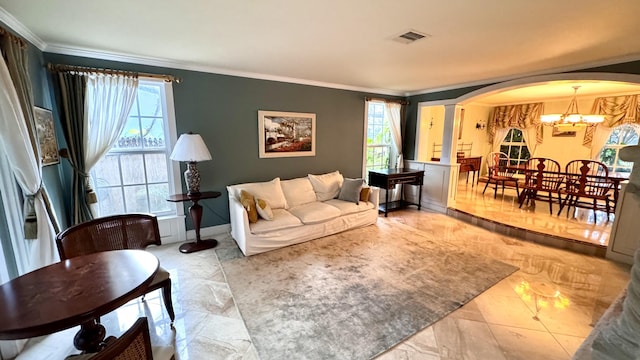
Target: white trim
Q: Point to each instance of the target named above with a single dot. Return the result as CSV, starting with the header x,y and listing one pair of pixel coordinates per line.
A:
x,y
563,69
364,141
153,61
21,30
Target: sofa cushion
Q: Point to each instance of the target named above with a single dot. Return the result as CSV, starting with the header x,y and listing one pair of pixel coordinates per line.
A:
x,y
327,186
269,191
347,207
298,191
282,219
350,190
315,212
249,204
264,210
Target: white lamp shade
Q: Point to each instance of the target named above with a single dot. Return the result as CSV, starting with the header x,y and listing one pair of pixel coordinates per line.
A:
x,y
191,148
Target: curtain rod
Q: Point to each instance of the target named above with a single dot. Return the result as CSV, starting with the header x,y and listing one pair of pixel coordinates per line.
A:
x,y
19,40
401,102
88,70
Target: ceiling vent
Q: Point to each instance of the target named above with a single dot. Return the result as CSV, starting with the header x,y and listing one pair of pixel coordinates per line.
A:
x,y
410,36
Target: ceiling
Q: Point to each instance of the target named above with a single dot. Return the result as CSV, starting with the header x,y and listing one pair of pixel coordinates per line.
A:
x,y
338,43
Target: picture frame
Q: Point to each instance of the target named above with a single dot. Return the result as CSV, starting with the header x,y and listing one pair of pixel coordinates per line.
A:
x,y
46,133
286,134
558,132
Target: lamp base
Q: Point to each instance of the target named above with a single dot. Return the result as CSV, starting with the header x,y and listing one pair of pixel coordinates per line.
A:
x,y
192,179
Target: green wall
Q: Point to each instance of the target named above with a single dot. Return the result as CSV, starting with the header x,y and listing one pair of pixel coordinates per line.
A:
x,y
224,110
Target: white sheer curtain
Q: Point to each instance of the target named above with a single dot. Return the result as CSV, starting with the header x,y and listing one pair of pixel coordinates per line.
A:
x,y
392,114
16,144
108,101
529,136
499,137
600,136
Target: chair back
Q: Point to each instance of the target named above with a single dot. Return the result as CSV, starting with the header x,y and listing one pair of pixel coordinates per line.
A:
x,y
587,178
116,232
134,344
497,163
540,174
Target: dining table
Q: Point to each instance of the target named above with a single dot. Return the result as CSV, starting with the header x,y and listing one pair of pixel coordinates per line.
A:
x,y
74,292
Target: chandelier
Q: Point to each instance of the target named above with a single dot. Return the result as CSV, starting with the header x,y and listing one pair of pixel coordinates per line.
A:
x,y
572,117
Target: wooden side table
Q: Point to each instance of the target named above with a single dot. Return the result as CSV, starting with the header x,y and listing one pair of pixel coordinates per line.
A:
x,y
196,216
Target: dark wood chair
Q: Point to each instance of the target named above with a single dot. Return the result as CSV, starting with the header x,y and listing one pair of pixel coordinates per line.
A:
x,y
117,232
134,344
500,172
542,176
587,179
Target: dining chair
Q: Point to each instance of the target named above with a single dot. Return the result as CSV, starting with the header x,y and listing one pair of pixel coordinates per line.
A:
x,y
587,179
117,232
542,175
500,172
134,344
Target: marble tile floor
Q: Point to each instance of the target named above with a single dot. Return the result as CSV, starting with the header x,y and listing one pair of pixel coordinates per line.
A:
x,y
498,324
579,226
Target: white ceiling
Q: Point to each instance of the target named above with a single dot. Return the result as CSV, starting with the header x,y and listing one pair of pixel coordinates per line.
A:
x,y
342,43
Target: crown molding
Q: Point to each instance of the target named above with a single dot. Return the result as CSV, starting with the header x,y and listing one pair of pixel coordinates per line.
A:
x,y
562,69
152,61
21,30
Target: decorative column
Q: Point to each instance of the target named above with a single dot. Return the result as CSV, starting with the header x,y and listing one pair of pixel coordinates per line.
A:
x,y
621,340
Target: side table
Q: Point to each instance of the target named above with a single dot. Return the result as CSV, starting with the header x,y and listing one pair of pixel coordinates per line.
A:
x,y
196,217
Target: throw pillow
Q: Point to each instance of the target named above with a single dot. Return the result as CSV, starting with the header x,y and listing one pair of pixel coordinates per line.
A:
x,y
264,210
326,186
364,194
350,190
249,204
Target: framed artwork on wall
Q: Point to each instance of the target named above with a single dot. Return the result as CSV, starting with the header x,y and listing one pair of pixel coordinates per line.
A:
x,y
46,133
286,134
561,132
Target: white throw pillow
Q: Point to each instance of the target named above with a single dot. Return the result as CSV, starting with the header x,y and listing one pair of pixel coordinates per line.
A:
x,y
298,191
327,186
264,210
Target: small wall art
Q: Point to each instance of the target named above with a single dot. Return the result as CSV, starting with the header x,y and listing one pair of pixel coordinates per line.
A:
x,y
46,133
286,134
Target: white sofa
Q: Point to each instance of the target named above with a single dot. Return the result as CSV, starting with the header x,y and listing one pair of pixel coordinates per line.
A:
x,y
303,209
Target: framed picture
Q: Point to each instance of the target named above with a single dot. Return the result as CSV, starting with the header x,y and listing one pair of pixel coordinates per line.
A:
x,y
46,136
561,132
286,134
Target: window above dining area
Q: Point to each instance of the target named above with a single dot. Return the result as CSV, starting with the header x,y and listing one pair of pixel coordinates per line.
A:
x,y
620,137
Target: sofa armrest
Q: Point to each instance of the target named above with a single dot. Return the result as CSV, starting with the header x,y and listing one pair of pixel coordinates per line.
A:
x,y
239,221
374,196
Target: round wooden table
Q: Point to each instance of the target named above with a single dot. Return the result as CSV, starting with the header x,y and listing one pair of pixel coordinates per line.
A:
x,y
72,292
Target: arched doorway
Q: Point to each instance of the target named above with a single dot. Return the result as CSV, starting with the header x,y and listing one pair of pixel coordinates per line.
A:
x,y
461,120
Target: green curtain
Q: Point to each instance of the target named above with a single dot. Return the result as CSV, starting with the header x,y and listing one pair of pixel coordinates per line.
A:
x,y
72,98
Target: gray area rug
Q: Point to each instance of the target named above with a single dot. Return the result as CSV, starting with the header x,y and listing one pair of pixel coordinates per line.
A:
x,y
352,295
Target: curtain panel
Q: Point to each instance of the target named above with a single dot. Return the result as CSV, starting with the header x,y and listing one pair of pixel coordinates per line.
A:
x,y
520,116
72,89
617,110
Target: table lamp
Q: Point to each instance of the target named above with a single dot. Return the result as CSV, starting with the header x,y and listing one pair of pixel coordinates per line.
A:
x,y
191,149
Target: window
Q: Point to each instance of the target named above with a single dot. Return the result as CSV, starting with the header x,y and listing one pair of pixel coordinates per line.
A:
x,y
514,146
620,137
136,175
378,137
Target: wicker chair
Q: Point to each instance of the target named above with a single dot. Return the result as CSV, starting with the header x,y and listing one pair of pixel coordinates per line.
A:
x,y
117,232
134,344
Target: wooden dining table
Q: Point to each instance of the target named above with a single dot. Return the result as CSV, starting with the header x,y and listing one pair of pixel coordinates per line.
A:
x,y
74,292
615,179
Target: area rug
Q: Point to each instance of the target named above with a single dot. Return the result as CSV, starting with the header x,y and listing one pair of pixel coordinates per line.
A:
x,y
355,294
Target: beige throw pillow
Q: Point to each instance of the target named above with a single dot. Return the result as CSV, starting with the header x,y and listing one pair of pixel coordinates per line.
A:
x,y
264,210
249,204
